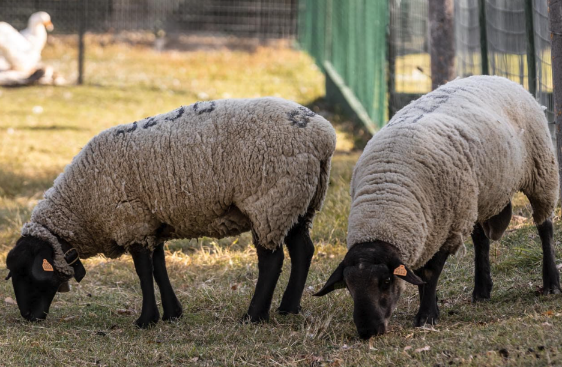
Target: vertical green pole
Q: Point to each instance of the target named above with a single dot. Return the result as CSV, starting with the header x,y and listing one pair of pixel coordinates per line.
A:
x,y
483,37
531,63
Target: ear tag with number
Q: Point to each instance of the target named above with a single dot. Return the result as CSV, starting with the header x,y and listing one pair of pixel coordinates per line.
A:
x,y
401,271
47,266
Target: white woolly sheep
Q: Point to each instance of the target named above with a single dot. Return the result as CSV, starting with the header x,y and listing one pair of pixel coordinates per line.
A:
x,y
446,166
212,169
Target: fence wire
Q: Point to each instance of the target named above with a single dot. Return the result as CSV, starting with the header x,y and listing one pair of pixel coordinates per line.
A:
x,y
243,18
409,62
467,38
542,52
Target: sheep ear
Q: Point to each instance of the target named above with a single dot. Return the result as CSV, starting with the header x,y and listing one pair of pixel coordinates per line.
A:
x,y
334,282
42,269
9,275
401,271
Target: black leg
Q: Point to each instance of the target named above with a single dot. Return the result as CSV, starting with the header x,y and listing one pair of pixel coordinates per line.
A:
x,y
482,278
170,304
269,265
301,250
550,275
429,311
142,259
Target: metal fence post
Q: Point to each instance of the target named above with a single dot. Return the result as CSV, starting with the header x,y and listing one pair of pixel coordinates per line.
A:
x,y
483,36
81,31
555,21
531,61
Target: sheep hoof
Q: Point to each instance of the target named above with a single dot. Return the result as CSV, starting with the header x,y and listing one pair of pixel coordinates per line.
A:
x,y
175,314
480,296
289,311
551,290
422,320
249,319
173,317
146,322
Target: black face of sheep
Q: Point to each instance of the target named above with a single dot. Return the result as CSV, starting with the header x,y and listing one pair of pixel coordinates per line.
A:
x,y
34,279
370,271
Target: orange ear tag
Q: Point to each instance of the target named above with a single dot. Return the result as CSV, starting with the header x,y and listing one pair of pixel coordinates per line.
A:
x,y
47,266
401,271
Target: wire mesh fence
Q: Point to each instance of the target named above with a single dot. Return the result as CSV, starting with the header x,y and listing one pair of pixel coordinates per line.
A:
x,y
409,62
242,18
509,38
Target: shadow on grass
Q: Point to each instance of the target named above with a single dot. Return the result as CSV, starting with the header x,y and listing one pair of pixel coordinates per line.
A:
x,y
14,184
346,124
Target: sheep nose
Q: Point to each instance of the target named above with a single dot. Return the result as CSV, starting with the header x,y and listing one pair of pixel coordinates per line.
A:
x,y
371,331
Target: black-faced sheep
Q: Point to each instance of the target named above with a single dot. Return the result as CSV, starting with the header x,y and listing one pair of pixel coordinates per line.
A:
x,y
445,167
209,169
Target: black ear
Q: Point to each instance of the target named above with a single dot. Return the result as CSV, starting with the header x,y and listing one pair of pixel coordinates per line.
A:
x,y
9,275
334,282
79,270
403,272
42,269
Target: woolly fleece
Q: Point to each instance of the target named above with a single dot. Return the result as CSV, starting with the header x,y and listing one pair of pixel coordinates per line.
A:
x,y
450,159
213,169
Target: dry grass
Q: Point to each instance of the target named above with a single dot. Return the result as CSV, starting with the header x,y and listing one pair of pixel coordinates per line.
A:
x,y
93,325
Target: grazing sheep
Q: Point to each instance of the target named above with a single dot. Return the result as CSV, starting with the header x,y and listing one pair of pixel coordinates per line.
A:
x,y
212,169
446,166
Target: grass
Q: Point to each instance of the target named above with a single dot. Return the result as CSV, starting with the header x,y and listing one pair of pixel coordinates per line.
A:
x,y
214,280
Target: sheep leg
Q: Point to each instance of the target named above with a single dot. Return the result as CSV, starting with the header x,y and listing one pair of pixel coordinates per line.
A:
x,y
142,258
429,311
269,265
482,278
550,275
301,250
170,304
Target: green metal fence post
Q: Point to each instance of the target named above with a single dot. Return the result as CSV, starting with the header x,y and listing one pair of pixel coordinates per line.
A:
x,y
483,36
531,62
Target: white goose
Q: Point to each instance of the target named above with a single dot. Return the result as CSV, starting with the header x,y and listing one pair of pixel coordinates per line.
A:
x,y
22,50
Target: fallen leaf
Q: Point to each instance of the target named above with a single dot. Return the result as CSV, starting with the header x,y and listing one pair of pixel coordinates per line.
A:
x,y
125,311
10,301
68,318
547,324
408,347
234,286
549,313
424,349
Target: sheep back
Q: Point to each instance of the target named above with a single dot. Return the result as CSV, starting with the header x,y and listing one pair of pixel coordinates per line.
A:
x,y
452,158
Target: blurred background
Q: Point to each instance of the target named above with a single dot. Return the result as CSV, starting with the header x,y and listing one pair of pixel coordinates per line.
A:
x,y
374,54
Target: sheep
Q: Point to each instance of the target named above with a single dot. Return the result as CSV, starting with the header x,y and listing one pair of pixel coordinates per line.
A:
x,y
445,167
215,168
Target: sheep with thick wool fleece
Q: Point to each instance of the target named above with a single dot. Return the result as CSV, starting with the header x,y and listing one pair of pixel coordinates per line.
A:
x,y
215,168
445,167
448,160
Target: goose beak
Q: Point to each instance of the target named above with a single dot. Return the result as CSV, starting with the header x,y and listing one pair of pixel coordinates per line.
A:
x,y
49,26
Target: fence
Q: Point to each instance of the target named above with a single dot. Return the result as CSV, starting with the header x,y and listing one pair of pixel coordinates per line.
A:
x,y
243,18
348,41
511,36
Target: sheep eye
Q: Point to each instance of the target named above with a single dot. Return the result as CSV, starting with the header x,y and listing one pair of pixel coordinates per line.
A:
x,y
387,281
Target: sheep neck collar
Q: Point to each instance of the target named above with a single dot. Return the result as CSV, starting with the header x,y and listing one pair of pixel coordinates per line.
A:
x,y
66,259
